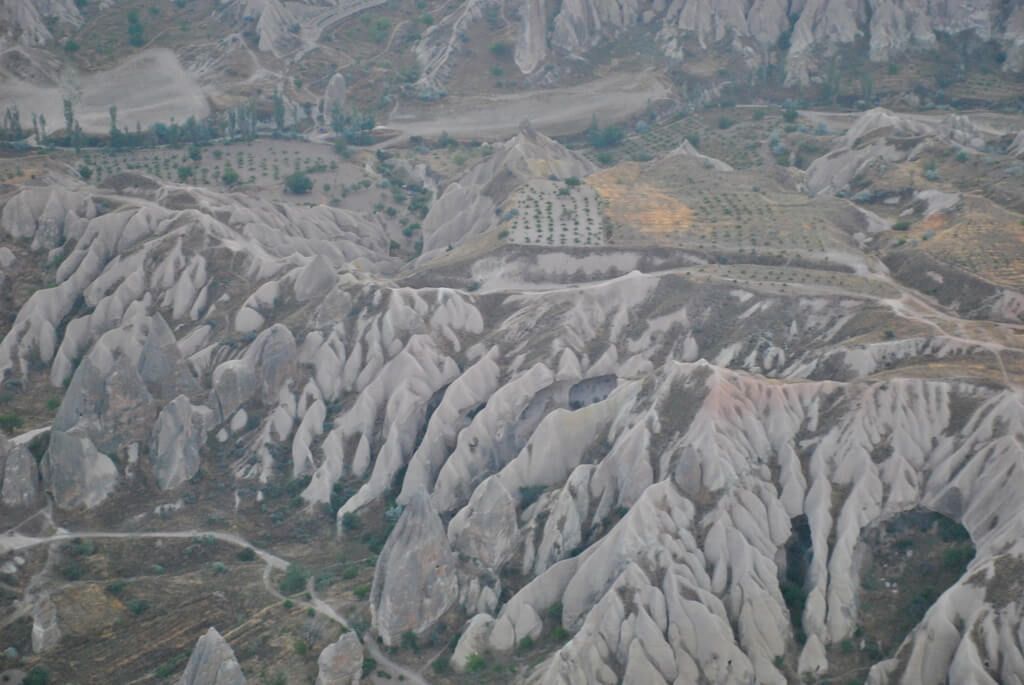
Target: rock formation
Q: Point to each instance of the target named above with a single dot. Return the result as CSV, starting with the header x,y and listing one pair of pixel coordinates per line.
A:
x,y
19,475
212,663
415,582
335,95
341,662
814,30
45,629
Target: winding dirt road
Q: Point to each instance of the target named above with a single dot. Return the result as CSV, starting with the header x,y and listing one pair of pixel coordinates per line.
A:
x,y
14,542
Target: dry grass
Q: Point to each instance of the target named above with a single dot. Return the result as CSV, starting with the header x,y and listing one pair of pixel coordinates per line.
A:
x,y
633,203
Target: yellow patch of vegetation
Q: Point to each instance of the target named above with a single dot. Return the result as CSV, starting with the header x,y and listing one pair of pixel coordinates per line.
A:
x,y
638,205
988,243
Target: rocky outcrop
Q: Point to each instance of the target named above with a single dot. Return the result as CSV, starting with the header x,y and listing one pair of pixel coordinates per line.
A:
x,y
415,582
686,149
19,475
467,206
46,632
274,24
179,435
335,95
26,21
110,408
487,528
212,663
877,137
76,472
532,44
816,29
341,662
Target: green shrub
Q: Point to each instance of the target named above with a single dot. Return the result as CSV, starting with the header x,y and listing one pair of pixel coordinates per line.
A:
x,y
116,587
11,422
73,570
298,183
294,580
902,225
361,592
476,663
247,554
167,668
37,676
502,49
138,606
351,521
409,641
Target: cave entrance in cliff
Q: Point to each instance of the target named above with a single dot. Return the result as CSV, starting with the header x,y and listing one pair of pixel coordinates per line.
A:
x,y
904,563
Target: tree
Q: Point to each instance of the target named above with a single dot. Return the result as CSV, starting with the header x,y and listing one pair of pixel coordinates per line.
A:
x,y
184,173
69,118
37,676
12,123
341,147
115,133
279,111
298,183
294,580
610,136
136,34
229,177
85,172
195,153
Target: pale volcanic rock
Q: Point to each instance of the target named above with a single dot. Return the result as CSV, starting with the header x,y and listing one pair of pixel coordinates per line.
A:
x,y
532,46
19,475
212,663
46,631
180,433
335,95
415,582
486,529
341,662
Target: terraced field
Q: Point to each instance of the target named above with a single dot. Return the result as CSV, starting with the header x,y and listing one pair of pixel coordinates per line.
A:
x,y
550,213
732,135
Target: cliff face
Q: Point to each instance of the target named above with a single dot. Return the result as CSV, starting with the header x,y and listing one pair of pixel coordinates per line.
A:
x,y
815,28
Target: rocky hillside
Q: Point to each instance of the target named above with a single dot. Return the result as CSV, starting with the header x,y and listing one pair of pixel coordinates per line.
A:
x,y
597,455
801,35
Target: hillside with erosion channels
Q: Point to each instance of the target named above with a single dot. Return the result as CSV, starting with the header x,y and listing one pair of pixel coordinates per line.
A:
x,y
546,342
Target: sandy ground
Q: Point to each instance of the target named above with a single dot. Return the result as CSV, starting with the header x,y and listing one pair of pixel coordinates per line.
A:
x,y
148,88
554,112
